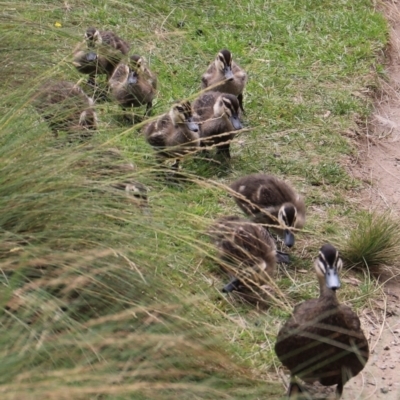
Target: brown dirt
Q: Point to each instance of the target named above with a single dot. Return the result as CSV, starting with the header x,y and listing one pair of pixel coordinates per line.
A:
x,y
379,158
380,168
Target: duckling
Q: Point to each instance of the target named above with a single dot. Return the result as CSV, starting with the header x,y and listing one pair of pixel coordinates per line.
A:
x,y
65,106
247,251
100,163
233,79
136,189
323,340
89,63
133,84
104,50
218,117
269,200
175,133
109,165
96,38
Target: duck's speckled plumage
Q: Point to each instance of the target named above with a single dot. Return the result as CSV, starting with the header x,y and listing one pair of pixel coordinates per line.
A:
x,y
65,106
270,200
247,250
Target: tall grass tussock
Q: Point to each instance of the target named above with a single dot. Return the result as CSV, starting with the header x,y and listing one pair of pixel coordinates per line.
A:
x,y
116,294
374,242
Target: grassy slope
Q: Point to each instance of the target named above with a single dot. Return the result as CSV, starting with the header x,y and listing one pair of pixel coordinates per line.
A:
x,y
66,266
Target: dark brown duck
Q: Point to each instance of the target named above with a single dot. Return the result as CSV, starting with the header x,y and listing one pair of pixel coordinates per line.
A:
x,y
323,340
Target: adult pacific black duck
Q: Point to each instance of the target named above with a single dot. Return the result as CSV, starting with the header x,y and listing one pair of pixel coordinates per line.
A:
x,y
269,200
224,75
174,134
66,107
246,250
133,84
323,340
218,118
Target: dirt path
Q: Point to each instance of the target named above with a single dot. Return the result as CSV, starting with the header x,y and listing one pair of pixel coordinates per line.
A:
x,y
380,166
381,377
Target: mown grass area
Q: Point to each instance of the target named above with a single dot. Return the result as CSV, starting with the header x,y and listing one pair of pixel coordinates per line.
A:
x,y
106,298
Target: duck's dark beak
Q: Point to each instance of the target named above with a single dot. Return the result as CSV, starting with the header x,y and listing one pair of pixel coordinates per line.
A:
x,y
91,56
235,122
282,257
332,279
228,73
231,286
192,125
289,238
132,78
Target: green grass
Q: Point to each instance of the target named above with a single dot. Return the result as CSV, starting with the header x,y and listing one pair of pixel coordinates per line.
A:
x,y
374,243
105,298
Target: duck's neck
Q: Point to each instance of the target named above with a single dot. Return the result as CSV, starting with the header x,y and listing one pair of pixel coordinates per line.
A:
x,y
324,291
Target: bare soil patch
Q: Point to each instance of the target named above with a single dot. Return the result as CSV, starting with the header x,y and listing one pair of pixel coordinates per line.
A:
x,y
379,167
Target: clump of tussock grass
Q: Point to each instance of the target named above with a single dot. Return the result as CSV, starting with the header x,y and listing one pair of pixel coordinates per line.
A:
x,y
83,298
374,243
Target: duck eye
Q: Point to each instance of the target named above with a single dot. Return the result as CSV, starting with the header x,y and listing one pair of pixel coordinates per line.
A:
x,y
179,108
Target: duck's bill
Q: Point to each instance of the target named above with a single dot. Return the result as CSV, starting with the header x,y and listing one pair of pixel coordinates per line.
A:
x,y
289,238
132,79
231,286
192,126
91,56
235,122
228,74
332,279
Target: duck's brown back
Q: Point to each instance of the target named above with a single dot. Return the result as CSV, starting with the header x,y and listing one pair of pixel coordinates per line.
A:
x,y
322,341
261,191
242,243
203,105
62,104
113,40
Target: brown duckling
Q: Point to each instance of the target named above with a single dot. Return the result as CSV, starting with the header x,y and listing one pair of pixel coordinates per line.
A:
x,y
323,340
269,200
96,38
218,117
133,84
110,166
65,106
231,77
174,134
247,251
101,54
89,63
